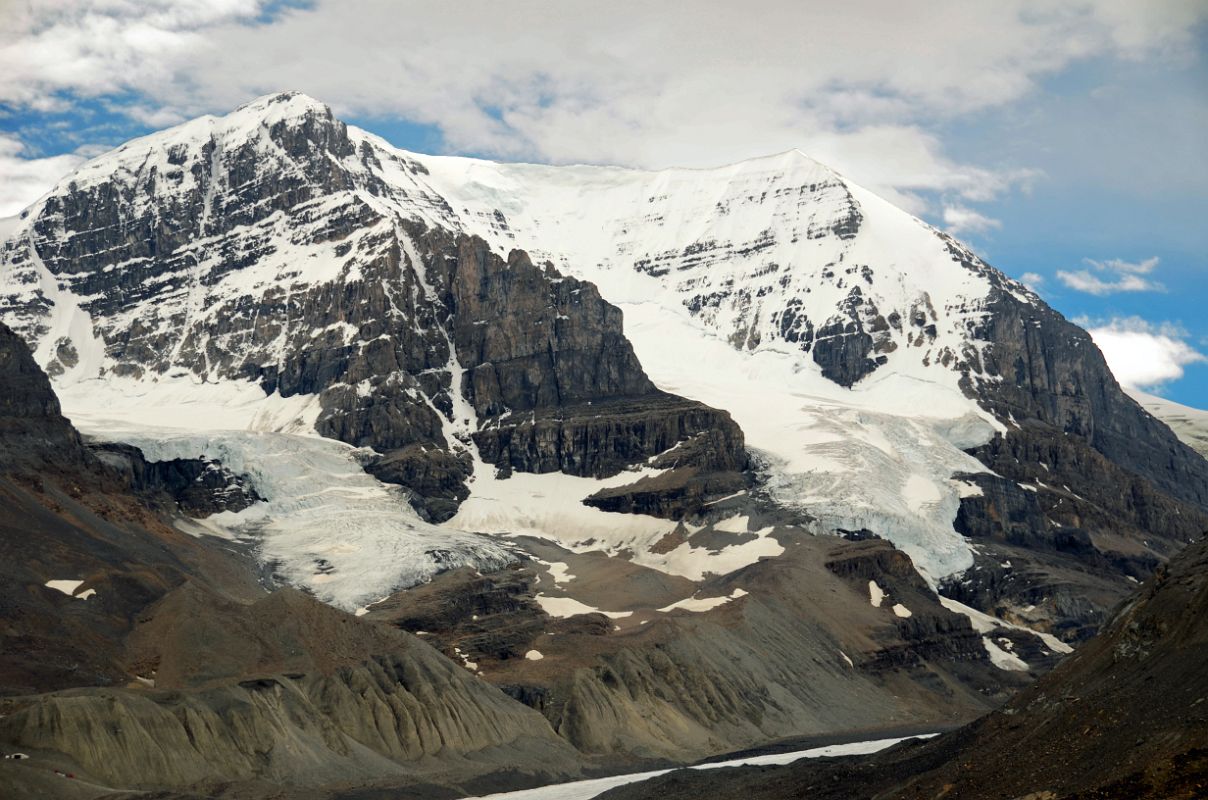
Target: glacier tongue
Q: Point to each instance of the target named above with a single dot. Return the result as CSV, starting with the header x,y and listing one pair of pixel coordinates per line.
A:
x,y
326,525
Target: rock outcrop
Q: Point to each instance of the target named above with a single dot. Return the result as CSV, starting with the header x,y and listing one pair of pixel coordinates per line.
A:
x,y
196,487
1088,492
692,682
551,383
1068,545
1053,374
1123,717
33,430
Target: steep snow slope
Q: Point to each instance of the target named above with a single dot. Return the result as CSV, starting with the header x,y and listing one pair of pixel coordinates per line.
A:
x,y
1189,424
837,329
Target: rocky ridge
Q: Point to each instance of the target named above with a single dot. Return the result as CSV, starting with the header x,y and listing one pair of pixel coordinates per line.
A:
x,y
1121,718
760,660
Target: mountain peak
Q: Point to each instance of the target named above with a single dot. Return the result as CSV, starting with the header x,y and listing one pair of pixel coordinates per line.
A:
x,y
165,151
287,104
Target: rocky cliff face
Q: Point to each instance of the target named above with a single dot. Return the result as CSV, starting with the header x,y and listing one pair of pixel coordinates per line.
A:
x,y
1053,374
1096,493
32,426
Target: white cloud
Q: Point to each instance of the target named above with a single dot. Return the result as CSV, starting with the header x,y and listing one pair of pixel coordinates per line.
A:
x,y
1034,280
24,180
1119,265
855,84
1085,281
1143,354
959,219
1111,276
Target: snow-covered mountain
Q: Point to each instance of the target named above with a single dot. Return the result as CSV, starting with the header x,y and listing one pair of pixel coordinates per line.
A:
x,y
682,459
275,270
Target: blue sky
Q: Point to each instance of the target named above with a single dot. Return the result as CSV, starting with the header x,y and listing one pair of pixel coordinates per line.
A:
x,y
1064,141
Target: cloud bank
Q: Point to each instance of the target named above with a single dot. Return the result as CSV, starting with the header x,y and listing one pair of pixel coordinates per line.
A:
x,y
1143,354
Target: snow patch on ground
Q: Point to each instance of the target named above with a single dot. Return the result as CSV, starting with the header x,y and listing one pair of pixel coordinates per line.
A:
x,y
966,489
534,655
900,610
736,524
472,666
984,623
703,603
564,607
696,563
558,571
69,587
363,610
876,595
550,506
1002,658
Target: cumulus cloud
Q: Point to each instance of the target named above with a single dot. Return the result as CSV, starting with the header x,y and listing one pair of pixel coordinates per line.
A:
x,y
1033,279
1085,281
644,84
1143,267
24,180
959,219
1143,354
1111,276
